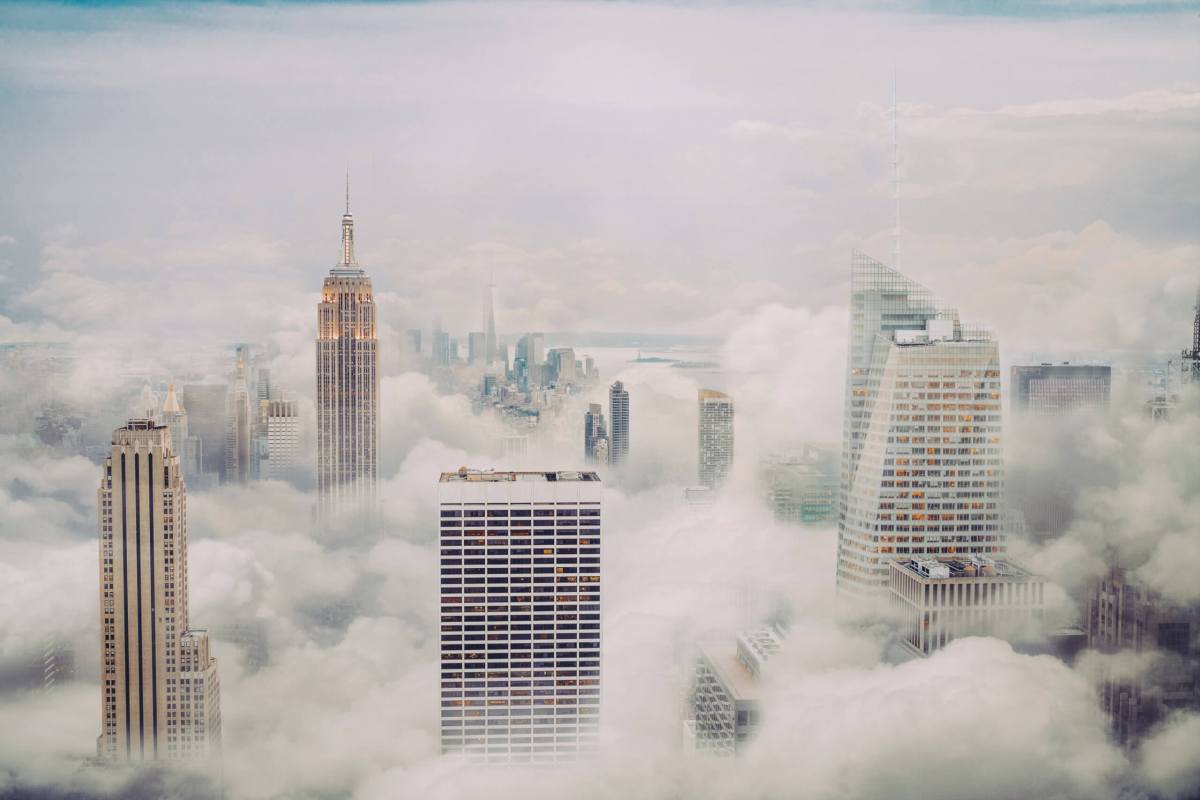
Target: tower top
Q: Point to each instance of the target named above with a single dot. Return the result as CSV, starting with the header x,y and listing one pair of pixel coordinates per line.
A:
x,y
347,261
171,404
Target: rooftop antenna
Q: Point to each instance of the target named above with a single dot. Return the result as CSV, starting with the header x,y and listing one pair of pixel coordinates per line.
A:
x,y
895,177
347,191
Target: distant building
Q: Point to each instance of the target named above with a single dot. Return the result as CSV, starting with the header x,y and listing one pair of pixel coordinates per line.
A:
x,y
414,340
239,425
1123,616
160,695
1190,361
561,361
699,498
530,631
946,598
618,415
281,419
205,404
725,695
441,348
715,437
801,488
595,432
190,449
923,403
476,348
1060,388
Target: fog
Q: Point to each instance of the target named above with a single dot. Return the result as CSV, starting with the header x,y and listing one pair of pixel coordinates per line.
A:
x,y
173,185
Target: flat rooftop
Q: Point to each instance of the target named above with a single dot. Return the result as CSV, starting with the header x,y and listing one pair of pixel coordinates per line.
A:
x,y
737,680
464,475
964,568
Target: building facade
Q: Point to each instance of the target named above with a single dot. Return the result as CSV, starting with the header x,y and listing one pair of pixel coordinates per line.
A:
x,y
1060,388
618,417
922,459
281,421
1123,616
595,434
187,448
160,696
715,437
240,454
347,387
205,404
943,599
520,615
725,708
802,487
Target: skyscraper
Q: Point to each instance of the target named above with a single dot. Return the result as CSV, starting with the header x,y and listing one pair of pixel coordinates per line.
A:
x,y
186,447
239,423
1190,361
1060,388
715,440
205,404
618,419
922,465
520,646
477,348
347,385
595,434
489,323
160,694
281,420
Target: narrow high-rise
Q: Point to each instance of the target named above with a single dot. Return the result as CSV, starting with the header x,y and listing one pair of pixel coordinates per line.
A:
x,y
715,437
160,697
520,615
347,386
281,421
239,423
922,463
618,418
595,434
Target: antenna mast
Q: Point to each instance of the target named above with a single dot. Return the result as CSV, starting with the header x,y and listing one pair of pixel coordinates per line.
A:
x,y
895,177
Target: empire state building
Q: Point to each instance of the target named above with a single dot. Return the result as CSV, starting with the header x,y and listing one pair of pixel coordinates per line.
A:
x,y
347,386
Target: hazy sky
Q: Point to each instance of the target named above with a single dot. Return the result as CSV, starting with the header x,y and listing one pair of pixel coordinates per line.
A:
x,y
620,166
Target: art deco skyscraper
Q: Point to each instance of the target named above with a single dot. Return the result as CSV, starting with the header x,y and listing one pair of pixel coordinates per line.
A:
x,y
347,385
160,695
520,645
618,417
922,466
239,423
715,437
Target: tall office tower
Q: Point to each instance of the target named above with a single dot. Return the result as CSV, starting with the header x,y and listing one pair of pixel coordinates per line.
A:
x,y
281,420
489,324
239,425
1125,617
595,434
725,693
520,646
205,404
262,384
477,347
414,340
922,466
531,347
715,437
160,694
561,361
801,487
618,417
440,355
1190,361
188,448
1060,388
943,599
347,386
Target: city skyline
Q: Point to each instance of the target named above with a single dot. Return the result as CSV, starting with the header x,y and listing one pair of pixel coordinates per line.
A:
x,y
951,522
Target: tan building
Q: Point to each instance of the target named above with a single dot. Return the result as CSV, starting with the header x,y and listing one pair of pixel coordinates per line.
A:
x,y
347,385
943,599
160,696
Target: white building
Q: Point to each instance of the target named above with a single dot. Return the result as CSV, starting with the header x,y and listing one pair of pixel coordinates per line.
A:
x,y
922,465
943,599
281,420
715,437
618,415
520,615
725,692
160,696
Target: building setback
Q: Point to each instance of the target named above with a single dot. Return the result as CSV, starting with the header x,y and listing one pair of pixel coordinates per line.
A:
x,y
347,386
160,697
940,600
520,615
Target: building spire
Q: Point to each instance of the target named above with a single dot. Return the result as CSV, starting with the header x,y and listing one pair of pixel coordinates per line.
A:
x,y
348,261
